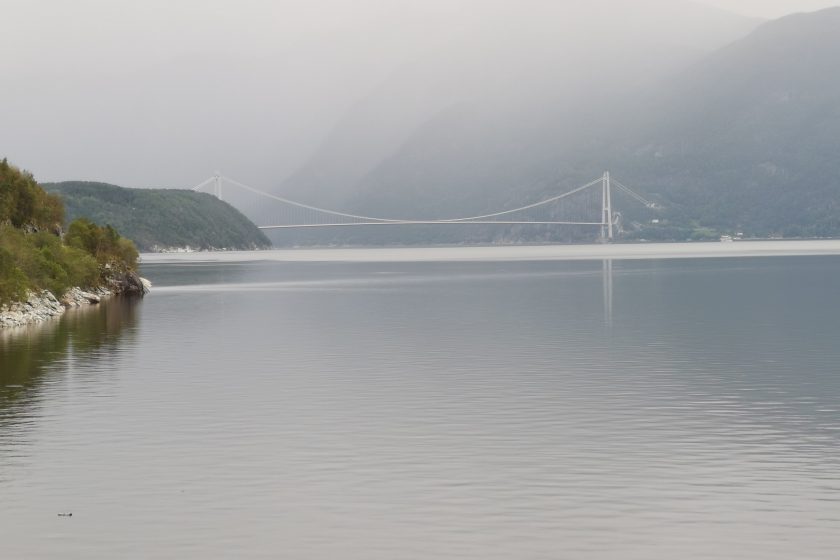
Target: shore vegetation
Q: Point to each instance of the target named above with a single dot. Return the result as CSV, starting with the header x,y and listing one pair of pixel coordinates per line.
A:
x,y
36,253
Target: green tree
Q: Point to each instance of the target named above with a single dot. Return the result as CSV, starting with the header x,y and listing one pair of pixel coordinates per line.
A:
x,y
32,254
104,243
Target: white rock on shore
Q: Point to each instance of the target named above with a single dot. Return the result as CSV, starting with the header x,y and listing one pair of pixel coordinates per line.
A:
x,y
76,297
44,305
37,307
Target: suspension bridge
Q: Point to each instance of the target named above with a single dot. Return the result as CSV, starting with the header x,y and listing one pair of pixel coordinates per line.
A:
x,y
590,204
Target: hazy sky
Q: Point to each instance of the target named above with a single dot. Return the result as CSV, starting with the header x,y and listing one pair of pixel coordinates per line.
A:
x,y
770,8
161,92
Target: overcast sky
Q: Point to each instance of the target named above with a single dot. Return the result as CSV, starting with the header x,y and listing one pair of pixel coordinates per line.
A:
x,y
83,26
161,92
770,8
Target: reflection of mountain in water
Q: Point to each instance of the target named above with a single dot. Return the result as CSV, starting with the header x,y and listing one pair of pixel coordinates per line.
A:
x,y
732,356
29,355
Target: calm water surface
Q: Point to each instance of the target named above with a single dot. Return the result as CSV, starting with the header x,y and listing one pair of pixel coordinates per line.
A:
x,y
639,409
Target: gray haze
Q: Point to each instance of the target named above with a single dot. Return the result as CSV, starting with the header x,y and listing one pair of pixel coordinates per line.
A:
x,y
163,93
771,8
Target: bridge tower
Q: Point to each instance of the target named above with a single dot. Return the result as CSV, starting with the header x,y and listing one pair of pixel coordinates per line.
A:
x,y
606,208
217,184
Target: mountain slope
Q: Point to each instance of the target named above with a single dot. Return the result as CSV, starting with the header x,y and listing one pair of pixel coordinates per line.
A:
x,y
749,137
158,219
743,139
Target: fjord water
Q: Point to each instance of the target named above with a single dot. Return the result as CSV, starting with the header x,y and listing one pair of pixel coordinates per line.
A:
x,y
252,408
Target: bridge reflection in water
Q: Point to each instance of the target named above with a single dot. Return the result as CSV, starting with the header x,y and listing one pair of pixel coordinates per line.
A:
x,y
607,280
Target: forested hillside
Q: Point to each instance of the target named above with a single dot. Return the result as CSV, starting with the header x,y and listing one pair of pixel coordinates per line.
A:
x,y
159,219
749,138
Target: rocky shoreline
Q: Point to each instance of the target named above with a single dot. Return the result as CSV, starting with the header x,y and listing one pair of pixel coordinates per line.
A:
x,y
44,305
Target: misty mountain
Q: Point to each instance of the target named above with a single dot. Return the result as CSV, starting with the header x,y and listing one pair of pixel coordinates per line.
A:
x,y
748,138
743,138
515,67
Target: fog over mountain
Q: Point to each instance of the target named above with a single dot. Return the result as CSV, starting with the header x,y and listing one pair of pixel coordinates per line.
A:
x,y
162,93
433,109
524,67
743,138
748,138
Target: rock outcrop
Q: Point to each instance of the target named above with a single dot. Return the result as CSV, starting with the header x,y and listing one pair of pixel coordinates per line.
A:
x,y
37,307
44,305
76,297
129,283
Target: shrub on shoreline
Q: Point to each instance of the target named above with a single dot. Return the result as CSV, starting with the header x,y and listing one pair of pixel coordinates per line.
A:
x,y
33,255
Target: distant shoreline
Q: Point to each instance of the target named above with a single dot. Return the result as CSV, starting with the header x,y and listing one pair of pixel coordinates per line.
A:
x,y
489,253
